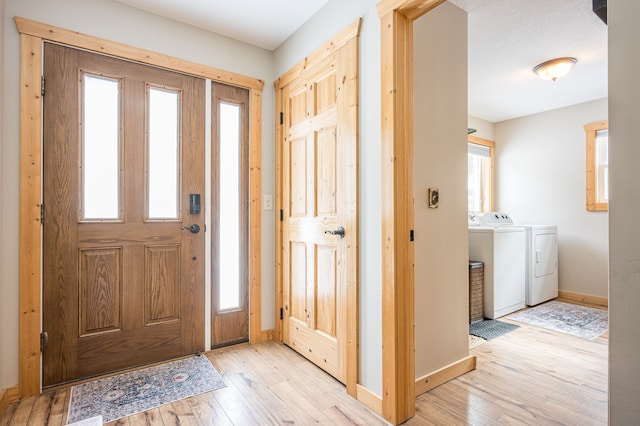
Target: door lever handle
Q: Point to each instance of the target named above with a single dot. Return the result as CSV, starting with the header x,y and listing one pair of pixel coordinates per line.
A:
x,y
339,232
194,229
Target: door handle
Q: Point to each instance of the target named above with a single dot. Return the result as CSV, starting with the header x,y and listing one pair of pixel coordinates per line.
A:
x,y
339,232
194,229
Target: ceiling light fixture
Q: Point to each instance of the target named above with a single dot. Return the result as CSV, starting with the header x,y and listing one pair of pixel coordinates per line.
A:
x,y
555,68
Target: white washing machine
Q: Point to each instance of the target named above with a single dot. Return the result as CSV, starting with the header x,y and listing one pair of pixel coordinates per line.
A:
x,y
501,247
541,257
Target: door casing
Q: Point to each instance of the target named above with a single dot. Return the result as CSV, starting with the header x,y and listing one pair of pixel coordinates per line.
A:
x,y
32,36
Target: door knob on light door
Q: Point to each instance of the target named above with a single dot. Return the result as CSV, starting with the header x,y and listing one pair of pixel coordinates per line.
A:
x,y
194,229
339,232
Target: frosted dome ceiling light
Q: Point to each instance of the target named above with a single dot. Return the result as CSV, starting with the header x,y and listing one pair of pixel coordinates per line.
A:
x,y
555,68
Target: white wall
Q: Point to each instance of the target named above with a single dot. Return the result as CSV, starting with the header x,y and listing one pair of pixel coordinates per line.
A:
x,y
440,161
540,170
484,129
114,21
624,232
329,21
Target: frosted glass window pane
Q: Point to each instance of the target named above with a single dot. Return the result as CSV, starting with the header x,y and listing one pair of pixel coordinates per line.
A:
x,y
479,150
474,183
163,154
229,206
602,146
100,148
602,166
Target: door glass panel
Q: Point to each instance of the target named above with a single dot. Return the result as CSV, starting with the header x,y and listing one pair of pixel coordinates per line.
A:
x,y
163,154
100,148
230,192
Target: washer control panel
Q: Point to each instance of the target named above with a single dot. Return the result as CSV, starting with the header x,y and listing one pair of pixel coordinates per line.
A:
x,y
495,219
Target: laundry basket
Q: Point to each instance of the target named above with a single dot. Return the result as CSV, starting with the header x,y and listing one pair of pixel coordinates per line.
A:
x,y
476,291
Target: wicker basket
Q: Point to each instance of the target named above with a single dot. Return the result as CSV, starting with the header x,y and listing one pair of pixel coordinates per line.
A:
x,y
476,291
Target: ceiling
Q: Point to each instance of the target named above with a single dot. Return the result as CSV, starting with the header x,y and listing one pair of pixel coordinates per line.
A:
x,y
507,38
263,23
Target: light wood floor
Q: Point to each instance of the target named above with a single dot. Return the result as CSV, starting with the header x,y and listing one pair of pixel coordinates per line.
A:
x,y
530,376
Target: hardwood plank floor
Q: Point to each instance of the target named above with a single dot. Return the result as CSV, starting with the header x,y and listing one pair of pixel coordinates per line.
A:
x,y
529,376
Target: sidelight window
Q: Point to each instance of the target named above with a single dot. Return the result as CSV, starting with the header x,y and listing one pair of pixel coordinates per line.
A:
x,y
230,215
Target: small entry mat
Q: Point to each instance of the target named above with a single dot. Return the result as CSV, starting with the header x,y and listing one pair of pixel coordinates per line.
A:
x,y
141,390
490,329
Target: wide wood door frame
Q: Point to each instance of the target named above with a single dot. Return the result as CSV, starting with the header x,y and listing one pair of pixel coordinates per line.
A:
x,y
32,36
347,36
396,57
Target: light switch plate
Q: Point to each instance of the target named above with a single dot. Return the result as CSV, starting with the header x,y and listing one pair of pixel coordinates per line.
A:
x,y
433,198
267,202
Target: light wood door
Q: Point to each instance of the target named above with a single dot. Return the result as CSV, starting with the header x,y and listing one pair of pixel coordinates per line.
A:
x,y
230,215
123,276
319,199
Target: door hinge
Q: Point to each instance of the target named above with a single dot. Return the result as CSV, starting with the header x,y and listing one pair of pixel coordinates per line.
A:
x,y
42,85
281,215
42,214
411,235
281,118
281,314
44,341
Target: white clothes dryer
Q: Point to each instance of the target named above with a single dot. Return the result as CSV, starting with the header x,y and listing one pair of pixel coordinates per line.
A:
x,y
541,263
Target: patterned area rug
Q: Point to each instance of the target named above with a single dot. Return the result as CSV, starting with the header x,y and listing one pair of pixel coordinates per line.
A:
x,y
490,329
576,320
137,391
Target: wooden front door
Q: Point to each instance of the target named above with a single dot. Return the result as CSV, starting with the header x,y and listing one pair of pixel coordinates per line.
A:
x,y
123,263
319,200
